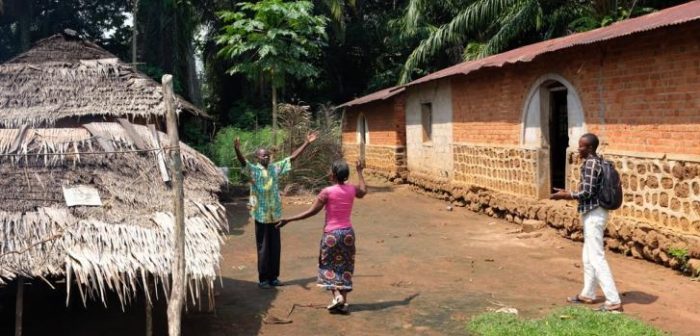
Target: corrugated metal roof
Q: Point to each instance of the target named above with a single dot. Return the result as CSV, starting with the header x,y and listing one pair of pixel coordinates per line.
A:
x,y
379,95
667,17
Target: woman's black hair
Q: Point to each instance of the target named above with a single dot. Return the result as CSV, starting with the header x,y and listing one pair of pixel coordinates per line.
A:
x,y
340,170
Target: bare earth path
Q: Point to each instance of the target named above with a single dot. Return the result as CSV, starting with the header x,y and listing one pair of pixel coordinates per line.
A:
x,y
424,270
421,270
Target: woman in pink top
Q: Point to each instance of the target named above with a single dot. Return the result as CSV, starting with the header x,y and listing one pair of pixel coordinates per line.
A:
x,y
336,261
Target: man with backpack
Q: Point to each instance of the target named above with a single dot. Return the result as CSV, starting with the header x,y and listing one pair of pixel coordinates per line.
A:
x,y
598,192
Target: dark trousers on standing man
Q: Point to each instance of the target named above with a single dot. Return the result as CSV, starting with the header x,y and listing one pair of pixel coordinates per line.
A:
x,y
267,239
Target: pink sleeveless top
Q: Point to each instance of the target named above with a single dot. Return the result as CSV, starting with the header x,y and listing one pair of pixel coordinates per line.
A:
x,y
338,199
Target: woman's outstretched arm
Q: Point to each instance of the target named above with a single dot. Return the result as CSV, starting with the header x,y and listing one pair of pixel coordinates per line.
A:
x,y
361,189
312,211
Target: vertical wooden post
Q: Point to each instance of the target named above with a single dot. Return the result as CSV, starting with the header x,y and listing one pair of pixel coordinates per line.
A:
x,y
177,292
19,306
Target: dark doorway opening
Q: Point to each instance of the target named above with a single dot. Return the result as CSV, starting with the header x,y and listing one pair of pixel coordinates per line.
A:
x,y
558,135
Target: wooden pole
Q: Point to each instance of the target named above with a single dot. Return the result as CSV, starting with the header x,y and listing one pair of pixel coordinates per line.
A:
x,y
177,292
19,306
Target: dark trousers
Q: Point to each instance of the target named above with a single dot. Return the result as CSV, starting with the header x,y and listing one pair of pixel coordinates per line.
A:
x,y
267,239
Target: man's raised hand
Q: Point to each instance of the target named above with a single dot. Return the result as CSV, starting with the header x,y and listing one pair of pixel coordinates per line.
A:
x,y
311,136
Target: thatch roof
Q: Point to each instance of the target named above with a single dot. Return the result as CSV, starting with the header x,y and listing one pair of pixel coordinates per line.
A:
x,y
121,244
64,76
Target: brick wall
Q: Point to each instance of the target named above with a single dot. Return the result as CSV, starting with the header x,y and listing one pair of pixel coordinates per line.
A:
x,y
386,139
640,94
646,84
386,122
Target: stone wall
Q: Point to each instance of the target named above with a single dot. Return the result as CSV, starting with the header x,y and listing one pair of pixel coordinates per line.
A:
x,y
386,161
509,170
661,191
660,213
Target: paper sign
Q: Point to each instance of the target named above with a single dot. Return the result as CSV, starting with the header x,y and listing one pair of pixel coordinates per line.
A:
x,y
81,195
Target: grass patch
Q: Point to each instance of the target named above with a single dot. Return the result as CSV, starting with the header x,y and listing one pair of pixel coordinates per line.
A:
x,y
570,321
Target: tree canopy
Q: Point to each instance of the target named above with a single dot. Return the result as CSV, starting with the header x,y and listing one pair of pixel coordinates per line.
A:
x,y
223,53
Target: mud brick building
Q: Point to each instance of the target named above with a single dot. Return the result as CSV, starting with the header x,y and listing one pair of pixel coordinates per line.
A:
x,y
497,134
383,144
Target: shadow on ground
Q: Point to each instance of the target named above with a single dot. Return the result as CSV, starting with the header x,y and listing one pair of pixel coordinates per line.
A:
x,y
45,313
237,214
638,297
375,306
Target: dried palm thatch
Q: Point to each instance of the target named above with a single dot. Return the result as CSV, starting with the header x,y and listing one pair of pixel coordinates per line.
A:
x,y
311,171
122,245
66,77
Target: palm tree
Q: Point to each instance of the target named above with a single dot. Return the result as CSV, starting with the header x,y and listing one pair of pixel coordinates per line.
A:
x,y
336,10
485,27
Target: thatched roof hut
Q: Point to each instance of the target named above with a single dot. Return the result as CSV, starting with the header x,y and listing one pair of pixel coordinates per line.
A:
x,y
65,77
62,110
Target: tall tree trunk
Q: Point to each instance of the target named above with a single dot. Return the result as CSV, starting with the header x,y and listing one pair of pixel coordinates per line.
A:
x,y
193,85
134,34
274,114
25,24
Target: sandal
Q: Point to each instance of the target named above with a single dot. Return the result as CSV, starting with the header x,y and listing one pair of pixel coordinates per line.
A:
x,y
608,308
577,299
342,310
338,301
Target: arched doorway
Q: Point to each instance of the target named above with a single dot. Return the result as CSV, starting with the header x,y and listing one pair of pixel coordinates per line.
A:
x,y
552,123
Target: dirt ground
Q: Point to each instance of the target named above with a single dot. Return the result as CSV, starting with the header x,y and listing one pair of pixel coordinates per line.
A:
x,y
420,270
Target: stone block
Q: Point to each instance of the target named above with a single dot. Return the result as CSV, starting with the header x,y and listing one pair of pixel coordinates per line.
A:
x,y
612,244
532,225
637,251
576,236
693,266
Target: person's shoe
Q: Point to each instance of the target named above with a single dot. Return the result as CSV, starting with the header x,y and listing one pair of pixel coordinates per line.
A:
x,y
264,285
343,310
578,299
610,308
276,283
338,301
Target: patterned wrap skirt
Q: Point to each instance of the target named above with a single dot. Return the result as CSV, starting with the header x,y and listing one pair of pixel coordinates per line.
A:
x,y
336,261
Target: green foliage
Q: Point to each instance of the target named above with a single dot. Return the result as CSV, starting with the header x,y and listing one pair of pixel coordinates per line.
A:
x,y
157,73
337,11
571,321
497,24
224,155
273,39
682,255
44,18
488,27
246,116
679,253
592,19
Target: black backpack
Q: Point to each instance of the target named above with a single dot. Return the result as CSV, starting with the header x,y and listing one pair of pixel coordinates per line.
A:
x,y
610,193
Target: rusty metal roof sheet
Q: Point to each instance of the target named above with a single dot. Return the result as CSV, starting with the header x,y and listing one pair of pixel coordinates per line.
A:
x,y
667,17
379,95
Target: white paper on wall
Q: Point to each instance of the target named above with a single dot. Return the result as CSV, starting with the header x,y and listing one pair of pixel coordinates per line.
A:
x,y
81,195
